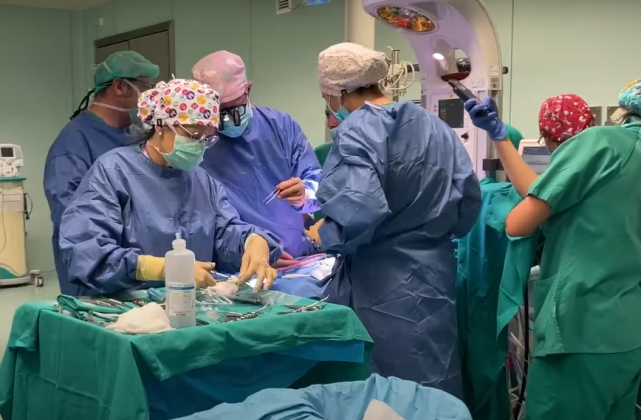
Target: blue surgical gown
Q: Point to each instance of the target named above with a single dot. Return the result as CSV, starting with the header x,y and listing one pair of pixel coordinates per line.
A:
x,y
397,186
79,144
273,149
127,206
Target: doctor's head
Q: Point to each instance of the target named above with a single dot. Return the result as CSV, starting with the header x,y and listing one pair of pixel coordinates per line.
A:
x,y
225,72
629,103
119,81
563,117
183,117
350,74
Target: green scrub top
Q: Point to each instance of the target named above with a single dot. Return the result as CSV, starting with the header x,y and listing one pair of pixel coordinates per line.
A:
x,y
588,298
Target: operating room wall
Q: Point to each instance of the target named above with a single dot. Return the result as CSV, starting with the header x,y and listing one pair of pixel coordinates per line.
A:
x,y
280,51
553,47
36,74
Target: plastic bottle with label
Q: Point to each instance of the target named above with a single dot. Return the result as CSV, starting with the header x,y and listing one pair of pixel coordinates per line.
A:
x,y
180,282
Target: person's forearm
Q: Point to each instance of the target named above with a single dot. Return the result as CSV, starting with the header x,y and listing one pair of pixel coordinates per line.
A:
x,y
520,174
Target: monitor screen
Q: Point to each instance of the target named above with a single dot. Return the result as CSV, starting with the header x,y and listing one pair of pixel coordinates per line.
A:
x,y
537,158
6,152
452,112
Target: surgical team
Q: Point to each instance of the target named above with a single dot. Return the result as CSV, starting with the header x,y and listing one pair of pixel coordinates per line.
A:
x,y
140,162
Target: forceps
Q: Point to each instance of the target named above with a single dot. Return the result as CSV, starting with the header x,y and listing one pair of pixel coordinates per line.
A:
x,y
271,196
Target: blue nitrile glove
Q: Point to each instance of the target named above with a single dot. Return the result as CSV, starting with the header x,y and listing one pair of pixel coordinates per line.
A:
x,y
485,116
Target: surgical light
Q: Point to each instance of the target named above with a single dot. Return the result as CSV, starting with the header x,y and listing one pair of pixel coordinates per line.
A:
x,y
406,19
438,56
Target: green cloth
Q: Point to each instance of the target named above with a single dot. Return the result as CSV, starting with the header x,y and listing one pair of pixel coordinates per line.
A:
x,y
588,298
59,368
514,135
482,263
123,65
321,154
584,386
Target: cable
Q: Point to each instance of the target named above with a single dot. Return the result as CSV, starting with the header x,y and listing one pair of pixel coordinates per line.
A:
x,y
397,81
526,357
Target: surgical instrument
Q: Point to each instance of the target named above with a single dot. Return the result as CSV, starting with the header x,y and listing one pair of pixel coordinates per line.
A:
x,y
316,306
236,316
271,196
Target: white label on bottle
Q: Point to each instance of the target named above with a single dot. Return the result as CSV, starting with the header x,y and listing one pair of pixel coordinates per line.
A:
x,y
180,300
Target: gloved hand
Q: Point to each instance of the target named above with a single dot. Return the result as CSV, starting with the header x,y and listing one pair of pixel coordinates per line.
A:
x,y
486,117
204,278
150,268
312,233
256,261
292,190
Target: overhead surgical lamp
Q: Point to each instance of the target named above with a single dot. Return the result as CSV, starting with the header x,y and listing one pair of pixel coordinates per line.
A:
x,y
436,29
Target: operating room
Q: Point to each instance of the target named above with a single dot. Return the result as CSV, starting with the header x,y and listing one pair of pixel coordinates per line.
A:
x,y
52,49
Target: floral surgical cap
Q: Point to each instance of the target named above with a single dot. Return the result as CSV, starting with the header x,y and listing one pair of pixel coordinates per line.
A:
x,y
180,102
345,67
563,117
630,97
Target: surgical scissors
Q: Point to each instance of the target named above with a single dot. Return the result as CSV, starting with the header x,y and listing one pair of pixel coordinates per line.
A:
x,y
271,196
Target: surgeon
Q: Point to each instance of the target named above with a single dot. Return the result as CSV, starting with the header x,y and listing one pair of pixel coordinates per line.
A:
x,y
91,132
260,151
397,186
135,199
587,338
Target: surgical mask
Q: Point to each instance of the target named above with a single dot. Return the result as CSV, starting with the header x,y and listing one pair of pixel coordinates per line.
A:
x,y
234,131
342,113
133,112
187,153
334,132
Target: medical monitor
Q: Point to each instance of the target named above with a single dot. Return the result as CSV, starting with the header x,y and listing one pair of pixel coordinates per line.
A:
x,y
452,112
536,155
7,152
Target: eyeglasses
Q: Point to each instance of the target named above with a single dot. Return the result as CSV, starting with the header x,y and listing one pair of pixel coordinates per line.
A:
x,y
232,114
209,140
541,141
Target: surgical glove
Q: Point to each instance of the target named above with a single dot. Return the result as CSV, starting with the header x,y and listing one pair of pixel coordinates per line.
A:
x,y
256,261
292,190
486,117
312,233
204,278
150,268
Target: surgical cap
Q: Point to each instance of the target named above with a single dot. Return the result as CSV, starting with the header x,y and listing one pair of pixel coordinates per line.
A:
x,y
123,65
630,97
224,71
563,117
179,102
345,67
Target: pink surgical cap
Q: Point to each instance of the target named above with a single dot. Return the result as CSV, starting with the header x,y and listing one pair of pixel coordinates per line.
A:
x,y
223,71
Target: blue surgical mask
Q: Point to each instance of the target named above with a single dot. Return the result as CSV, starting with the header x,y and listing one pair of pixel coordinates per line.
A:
x,y
234,131
187,153
134,118
334,132
342,114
